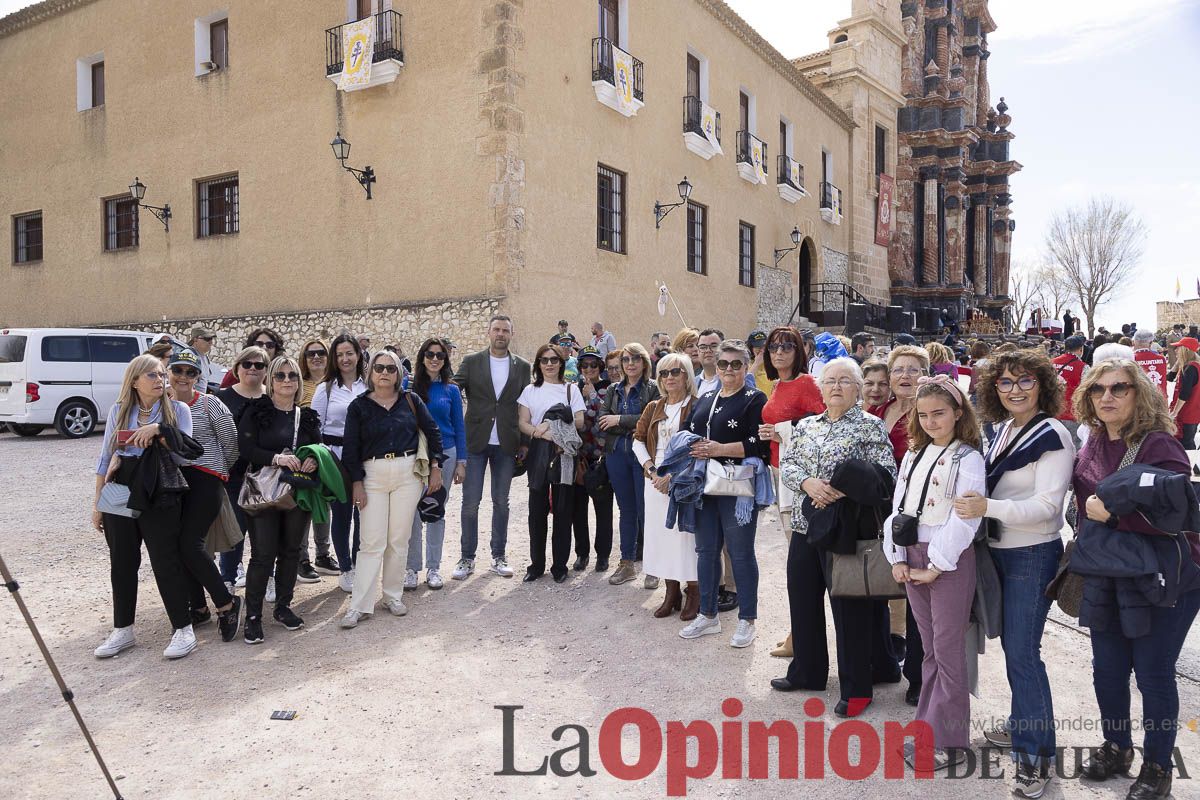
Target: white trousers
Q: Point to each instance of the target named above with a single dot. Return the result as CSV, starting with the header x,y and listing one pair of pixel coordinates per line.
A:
x,y
385,523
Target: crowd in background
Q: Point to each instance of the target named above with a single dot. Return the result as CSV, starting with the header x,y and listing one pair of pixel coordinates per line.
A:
x,y
952,463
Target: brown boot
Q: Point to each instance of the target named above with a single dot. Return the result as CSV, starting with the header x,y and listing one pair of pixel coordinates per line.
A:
x,y
691,601
784,648
672,602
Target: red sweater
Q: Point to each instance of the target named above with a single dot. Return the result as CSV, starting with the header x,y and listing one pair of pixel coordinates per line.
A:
x,y
898,435
792,400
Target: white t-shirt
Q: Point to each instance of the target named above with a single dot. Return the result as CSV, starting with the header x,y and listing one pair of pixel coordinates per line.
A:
x,y
500,367
705,385
539,399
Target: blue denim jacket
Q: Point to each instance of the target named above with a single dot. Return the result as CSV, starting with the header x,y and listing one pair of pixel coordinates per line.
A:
x,y
685,497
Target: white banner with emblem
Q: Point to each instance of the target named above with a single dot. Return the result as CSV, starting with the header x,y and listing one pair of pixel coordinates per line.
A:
x,y
708,124
358,45
623,78
756,158
794,173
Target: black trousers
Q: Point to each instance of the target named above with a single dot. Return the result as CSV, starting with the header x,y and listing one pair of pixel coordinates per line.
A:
x,y
275,539
914,651
558,499
862,651
159,528
602,503
1189,436
201,504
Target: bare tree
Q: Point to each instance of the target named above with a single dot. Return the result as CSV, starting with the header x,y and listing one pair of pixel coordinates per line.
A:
x,y
1021,293
1051,289
1096,248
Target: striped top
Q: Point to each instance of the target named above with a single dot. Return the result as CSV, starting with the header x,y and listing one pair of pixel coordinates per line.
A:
x,y
213,428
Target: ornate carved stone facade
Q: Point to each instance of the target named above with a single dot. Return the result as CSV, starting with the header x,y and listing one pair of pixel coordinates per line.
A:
x,y
950,249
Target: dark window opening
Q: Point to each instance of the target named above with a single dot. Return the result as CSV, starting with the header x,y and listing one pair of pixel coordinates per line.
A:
x,y
880,150
363,9
610,21
27,238
218,41
610,209
745,254
743,112
97,84
120,223
217,201
693,76
697,238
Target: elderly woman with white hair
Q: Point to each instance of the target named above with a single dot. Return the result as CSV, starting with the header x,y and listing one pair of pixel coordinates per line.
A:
x,y
382,437
850,448
728,419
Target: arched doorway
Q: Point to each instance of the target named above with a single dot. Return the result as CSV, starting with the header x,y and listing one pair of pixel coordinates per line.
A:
x,y
808,268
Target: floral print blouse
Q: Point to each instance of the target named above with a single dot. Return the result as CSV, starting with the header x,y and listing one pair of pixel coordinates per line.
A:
x,y
819,445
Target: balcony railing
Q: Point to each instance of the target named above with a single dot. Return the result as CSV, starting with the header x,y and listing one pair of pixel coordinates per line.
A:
x,y
828,305
831,196
388,42
603,68
785,173
692,112
744,141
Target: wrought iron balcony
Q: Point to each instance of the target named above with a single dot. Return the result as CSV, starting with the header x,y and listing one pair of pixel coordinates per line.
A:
x,y
388,45
692,113
831,203
744,141
603,68
788,176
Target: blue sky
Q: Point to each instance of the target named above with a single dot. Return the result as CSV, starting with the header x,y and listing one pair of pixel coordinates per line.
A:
x,y
1104,100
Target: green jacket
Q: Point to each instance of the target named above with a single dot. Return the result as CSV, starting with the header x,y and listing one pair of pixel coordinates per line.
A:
x,y
332,486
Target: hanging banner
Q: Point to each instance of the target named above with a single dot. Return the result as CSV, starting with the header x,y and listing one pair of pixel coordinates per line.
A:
x,y
708,124
623,79
795,171
883,215
358,45
756,157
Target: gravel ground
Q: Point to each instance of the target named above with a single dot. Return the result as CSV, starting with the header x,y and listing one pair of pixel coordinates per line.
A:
x,y
407,704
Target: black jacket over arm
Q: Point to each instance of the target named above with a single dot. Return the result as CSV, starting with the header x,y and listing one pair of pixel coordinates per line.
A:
x,y
868,488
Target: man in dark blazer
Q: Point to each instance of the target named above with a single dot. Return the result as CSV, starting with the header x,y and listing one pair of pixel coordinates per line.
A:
x,y
491,380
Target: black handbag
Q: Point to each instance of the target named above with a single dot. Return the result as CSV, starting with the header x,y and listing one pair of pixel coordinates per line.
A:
x,y
904,526
595,476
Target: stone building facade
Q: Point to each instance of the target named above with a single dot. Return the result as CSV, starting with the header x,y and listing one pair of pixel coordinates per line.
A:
x,y
950,251
1178,312
509,177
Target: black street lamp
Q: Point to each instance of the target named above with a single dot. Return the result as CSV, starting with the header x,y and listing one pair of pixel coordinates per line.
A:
x,y
341,151
137,190
781,252
661,210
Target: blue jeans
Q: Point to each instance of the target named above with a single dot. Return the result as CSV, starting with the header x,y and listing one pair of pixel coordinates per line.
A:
x,y
230,559
1152,658
1024,573
629,485
435,532
341,516
718,525
502,465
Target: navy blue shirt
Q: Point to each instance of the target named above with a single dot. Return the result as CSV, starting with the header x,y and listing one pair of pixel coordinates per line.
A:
x,y
373,431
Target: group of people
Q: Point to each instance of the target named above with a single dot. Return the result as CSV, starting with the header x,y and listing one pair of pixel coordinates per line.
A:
x,y
962,487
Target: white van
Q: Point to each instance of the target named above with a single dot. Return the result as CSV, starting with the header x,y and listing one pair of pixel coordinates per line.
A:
x,y
65,377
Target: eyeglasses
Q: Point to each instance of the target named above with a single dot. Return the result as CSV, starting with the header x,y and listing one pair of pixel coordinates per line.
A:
x,y
1119,390
630,360
285,376
436,355
908,371
253,365
674,372
186,372
267,345
155,376
379,369
841,383
708,348
782,347
734,365
1024,383
549,361
316,354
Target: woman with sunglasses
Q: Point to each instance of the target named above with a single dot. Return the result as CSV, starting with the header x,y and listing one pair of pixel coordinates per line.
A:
x,y
270,430
795,397
383,435
623,408
686,342
344,381
594,388
433,382
314,367
267,339
1029,467
249,373
547,391
1122,409
214,430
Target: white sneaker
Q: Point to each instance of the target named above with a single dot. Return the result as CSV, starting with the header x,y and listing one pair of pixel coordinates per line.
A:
x,y
346,582
744,635
701,626
241,577
410,579
434,579
501,568
183,641
397,607
352,618
120,639
463,568
270,597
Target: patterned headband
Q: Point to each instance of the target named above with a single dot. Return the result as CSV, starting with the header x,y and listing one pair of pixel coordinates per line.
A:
x,y
943,382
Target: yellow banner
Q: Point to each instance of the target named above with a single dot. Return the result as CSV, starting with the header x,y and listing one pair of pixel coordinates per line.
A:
x,y
756,158
708,124
623,78
358,45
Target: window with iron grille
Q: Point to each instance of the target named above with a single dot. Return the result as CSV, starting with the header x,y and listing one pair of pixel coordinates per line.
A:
x,y
610,209
217,201
697,238
27,238
120,223
745,254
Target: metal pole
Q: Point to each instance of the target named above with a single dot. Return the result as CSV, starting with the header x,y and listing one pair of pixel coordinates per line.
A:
x,y
14,589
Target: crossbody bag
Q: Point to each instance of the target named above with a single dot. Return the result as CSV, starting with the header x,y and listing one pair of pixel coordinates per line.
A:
x,y
726,480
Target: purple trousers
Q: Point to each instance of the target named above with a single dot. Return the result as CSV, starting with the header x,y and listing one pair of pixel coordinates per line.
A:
x,y
942,610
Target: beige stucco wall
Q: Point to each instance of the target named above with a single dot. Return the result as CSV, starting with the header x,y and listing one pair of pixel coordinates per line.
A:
x,y
309,238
